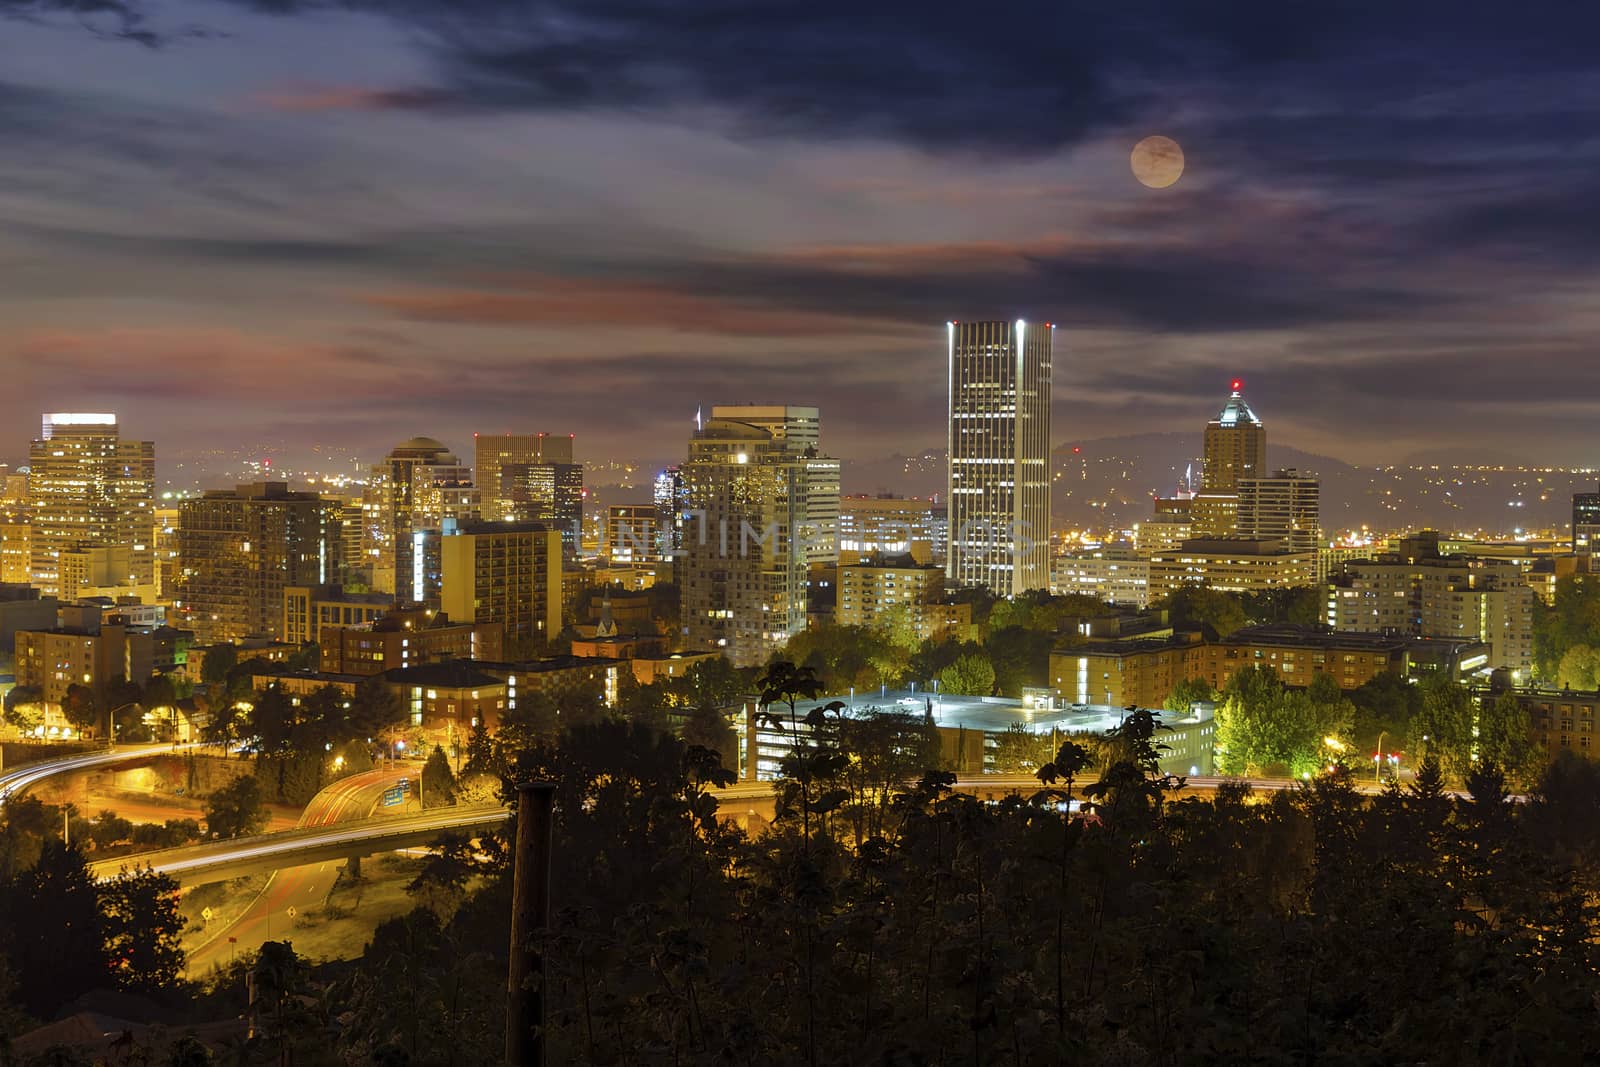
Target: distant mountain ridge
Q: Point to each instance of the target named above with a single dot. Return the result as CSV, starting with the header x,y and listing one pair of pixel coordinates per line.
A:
x,y
1109,482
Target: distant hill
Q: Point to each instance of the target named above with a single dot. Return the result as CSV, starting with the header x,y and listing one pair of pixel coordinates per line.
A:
x,y
1109,482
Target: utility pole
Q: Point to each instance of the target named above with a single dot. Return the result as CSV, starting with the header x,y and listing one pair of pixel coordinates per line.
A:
x,y
530,916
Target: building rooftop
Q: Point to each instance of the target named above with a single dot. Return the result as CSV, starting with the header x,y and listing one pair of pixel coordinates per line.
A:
x,y
1291,635
1236,411
992,714
450,674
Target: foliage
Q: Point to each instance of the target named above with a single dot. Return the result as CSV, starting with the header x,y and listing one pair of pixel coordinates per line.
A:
x,y
82,708
236,810
1443,727
971,675
1265,728
23,707
142,924
53,938
218,662
1579,668
438,781
1187,692
1214,613
1572,619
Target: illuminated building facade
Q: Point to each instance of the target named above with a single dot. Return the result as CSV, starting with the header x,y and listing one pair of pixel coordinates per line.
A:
x,y
240,548
1230,565
87,487
16,552
532,478
1235,446
1113,575
998,485
416,488
801,429
743,572
310,609
505,573
1585,522
891,591
887,524
1287,505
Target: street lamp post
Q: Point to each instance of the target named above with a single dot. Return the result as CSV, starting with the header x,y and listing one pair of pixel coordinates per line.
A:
x,y
1377,761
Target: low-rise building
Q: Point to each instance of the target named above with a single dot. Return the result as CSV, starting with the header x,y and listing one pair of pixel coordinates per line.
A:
x,y
1114,575
1299,654
1231,565
407,639
307,609
885,588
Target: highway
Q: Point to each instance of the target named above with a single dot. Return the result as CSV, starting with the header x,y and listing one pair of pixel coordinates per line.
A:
x,y
20,779
301,887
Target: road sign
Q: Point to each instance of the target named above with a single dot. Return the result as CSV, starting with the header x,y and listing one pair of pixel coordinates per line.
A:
x,y
291,911
205,913
391,797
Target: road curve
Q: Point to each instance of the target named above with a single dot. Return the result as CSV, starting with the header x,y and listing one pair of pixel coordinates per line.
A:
x,y
18,780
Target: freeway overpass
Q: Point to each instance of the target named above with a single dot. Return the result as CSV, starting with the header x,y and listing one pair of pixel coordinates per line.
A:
x,y
19,780
217,861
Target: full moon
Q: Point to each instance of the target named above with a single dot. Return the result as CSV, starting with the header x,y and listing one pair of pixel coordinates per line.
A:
x,y
1157,162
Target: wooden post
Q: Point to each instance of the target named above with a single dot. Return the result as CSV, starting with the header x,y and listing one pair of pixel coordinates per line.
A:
x,y
530,912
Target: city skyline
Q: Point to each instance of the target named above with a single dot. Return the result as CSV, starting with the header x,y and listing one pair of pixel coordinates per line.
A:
x,y
208,213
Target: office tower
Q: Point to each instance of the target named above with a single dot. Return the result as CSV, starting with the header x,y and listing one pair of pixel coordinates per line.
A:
x,y
890,525
241,547
417,487
532,478
1286,506
999,447
89,488
1235,448
672,510
801,427
743,570
507,573
1235,445
1585,522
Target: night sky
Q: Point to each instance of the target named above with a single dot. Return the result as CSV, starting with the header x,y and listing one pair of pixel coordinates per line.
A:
x,y
348,223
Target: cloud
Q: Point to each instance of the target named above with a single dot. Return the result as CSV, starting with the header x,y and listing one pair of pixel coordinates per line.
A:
x,y
317,99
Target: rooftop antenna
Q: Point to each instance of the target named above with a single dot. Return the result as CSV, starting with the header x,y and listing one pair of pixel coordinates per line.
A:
x,y
697,422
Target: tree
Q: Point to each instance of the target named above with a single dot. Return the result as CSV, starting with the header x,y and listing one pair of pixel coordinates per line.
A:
x,y
1579,668
482,759
1503,738
23,708
81,707
709,728
236,810
142,925
443,879
218,664
54,937
376,709
971,675
438,783
1188,692
159,693
1443,726
1214,613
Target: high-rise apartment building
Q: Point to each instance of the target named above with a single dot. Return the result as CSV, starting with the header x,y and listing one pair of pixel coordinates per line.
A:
x,y
999,377
532,477
1585,522
633,533
801,428
1287,505
241,547
743,570
507,573
1456,597
16,553
87,487
415,489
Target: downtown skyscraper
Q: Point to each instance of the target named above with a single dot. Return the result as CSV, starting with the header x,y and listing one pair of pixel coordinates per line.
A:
x,y
89,489
999,449
757,509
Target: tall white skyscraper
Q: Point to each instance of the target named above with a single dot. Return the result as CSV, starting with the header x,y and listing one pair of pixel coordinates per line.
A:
x,y
999,444
88,488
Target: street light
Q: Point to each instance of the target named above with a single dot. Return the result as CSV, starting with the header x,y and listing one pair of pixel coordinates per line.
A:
x,y
1377,761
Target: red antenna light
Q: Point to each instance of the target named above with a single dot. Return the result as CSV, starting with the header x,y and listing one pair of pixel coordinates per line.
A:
x,y
1076,450
1237,384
